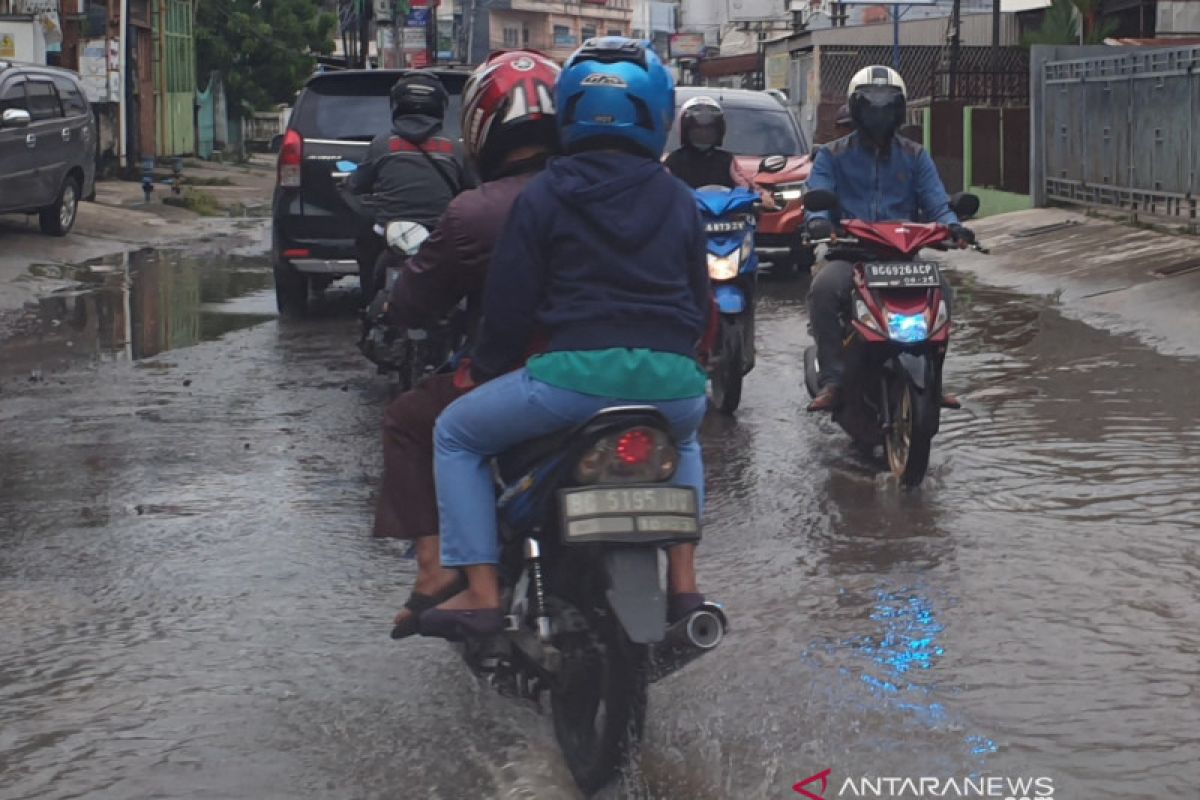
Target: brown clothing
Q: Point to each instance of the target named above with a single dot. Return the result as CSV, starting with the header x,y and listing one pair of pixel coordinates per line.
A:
x,y
407,504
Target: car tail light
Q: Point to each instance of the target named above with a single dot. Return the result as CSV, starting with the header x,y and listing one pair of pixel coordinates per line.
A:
x,y
291,154
635,455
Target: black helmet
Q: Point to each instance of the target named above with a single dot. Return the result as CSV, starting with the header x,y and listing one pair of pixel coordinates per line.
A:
x,y
419,92
702,123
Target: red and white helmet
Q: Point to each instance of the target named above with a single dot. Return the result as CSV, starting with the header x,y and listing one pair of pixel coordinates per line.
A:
x,y
508,102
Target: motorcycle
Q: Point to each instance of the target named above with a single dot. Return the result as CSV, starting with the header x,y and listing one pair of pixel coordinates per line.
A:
x,y
410,353
730,216
584,515
895,338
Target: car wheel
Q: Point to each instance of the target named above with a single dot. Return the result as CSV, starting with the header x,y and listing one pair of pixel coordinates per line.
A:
x,y
58,218
291,290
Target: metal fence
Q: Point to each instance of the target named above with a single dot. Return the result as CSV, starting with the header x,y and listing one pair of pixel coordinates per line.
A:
x,y
1119,130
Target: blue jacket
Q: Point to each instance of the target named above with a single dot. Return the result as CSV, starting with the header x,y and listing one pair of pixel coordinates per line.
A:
x,y
901,185
601,250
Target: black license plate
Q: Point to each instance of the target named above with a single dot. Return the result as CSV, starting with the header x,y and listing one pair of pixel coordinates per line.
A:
x,y
724,227
629,514
902,274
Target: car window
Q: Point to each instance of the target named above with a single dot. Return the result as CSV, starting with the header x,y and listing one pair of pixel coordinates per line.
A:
x,y
42,100
12,95
72,99
756,132
358,111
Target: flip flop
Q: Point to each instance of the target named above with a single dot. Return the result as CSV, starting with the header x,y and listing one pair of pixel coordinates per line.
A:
x,y
458,624
418,603
682,604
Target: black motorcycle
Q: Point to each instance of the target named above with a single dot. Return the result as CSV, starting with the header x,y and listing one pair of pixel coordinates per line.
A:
x,y
411,353
584,515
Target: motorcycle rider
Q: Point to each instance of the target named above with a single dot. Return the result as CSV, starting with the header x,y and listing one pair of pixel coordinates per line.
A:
x,y
411,172
877,175
509,133
605,252
700,159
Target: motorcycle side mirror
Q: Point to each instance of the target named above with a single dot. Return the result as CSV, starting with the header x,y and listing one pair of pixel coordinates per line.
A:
x,y
773,164
820,200
965,205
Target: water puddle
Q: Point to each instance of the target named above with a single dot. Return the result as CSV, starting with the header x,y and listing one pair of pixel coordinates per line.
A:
x,y
135,305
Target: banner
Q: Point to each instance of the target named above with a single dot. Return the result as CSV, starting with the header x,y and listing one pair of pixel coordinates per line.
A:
x,y
686,45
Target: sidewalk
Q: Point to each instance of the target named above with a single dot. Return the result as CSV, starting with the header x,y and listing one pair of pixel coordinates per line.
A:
x,y
119,219
1108,274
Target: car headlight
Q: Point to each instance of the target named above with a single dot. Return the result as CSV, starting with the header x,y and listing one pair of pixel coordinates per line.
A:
x,y
864,315
787,192
724,268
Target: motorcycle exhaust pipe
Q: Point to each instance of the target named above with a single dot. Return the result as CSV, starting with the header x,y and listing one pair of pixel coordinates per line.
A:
x,y
689,638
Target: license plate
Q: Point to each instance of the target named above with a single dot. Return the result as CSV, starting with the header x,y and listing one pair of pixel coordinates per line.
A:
x,y
902,274
629,514
724,227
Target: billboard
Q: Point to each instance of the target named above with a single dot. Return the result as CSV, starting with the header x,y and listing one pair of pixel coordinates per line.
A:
x,y
752,10
686,45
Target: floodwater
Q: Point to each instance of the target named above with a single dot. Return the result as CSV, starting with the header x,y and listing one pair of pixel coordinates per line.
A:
x,y
190,605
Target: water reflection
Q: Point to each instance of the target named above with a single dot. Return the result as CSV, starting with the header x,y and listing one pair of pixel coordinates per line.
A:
x,y
130,306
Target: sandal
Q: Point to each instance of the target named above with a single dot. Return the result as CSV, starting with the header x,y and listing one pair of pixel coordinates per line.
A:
x,y
682,604
418,603
461,623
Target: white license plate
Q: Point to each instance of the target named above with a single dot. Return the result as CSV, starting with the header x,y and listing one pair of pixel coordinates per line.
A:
x,y
902,274
629,513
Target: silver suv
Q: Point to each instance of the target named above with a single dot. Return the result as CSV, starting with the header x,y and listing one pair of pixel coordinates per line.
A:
x,y
47,145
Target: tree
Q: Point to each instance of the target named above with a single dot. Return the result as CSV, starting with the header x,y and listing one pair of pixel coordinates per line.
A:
x,y
262,48
1061,24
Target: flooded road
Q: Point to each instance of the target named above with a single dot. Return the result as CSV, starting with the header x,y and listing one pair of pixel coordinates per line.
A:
x,y
191,607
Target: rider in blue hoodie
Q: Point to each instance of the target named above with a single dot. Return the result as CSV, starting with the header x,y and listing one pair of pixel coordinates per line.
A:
x,y
604,256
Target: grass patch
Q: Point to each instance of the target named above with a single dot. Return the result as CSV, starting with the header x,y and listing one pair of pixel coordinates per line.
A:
x,y
188,180
201,203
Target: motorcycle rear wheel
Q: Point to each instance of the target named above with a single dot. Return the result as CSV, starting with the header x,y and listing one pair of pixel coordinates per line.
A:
x,y
909,442
599,706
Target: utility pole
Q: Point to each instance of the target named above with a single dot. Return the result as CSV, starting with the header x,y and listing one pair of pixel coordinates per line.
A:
x,y
995,82
955,41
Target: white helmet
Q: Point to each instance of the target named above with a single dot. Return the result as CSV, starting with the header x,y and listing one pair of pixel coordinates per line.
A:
x,y
877,76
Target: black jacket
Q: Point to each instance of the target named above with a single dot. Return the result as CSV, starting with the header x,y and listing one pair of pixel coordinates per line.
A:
x,y
410,173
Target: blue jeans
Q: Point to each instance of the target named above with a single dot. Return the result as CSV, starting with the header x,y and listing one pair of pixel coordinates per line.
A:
x,y
503,413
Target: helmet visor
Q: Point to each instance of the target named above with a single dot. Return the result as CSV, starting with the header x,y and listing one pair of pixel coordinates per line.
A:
x,y
881,96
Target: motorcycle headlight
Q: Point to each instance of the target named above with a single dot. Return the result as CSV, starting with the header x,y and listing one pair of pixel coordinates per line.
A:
x,y
787,192
724,268
864,315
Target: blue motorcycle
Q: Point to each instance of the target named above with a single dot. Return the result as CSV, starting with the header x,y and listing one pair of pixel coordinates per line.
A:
x,y
730,217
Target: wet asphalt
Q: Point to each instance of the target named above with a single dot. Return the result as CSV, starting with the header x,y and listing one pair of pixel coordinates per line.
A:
x,y
191,606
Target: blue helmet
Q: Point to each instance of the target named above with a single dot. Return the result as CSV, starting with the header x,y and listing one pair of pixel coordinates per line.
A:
x,y
616,89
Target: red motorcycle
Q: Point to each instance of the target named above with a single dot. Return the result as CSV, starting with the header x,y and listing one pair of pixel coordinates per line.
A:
x,y
895,337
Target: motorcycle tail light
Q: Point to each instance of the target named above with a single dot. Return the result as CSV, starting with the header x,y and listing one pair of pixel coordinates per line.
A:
x,y
634,455
863,314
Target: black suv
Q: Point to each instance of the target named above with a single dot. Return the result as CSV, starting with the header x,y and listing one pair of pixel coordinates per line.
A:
x,y
47,145
335,117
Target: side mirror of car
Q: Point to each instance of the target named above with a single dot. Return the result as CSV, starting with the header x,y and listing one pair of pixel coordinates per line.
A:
x,y
820,200
276,143
773,164
965,205
15,118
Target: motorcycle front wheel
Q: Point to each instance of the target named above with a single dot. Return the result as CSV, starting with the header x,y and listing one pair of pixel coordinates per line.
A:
x,y
909,442
730,369
599,704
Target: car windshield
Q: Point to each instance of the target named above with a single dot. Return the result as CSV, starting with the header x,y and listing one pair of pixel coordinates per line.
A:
x,y
756,132
345,110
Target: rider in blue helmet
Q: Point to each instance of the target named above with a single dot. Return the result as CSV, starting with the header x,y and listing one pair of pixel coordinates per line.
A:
x,y
603,257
